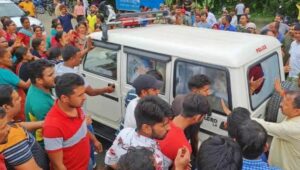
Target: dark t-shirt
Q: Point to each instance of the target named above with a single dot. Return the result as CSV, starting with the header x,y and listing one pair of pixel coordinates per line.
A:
x,y
187,5
66,22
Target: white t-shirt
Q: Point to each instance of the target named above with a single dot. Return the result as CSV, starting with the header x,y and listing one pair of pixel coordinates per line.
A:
x,y
129,120
211,19
61,69
295,59
127,138
240,9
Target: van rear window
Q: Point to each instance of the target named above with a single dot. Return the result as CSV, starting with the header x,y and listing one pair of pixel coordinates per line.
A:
x,y
219,82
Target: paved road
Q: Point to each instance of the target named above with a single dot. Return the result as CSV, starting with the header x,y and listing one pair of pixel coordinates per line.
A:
x,y
46,20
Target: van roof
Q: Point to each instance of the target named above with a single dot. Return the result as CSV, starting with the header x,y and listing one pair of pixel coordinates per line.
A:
x,y
222,48
5,1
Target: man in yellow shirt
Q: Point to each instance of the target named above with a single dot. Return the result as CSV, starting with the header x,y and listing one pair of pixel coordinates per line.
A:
x,y
92,18
28,6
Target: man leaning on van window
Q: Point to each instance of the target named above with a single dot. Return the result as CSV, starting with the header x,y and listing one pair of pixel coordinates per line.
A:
x,y
145,85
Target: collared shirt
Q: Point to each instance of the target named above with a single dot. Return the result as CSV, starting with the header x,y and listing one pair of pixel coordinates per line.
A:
x,y
127,138
294,59
68,134
37,105
129,120
256,165
285,146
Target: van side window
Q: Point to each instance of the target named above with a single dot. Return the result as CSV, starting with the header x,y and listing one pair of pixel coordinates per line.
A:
x,y
261,77
102,61
219,82
137,65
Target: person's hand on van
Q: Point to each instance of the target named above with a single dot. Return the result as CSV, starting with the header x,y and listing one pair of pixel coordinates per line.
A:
x,y
226,110
110,88
278,88
287,68
254,84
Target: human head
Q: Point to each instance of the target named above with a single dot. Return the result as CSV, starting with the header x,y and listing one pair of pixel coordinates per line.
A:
x,y
100,18
151,114
54,53
38,31
10,101
71,55
203,16
4,128
25,22
23,54
4,18
61,37
137,158
290,104
252,138
70,90
42,74
54,22
63,9
247,11
10,26
235,119
200,84
197,17
82,28
146,85
251,28
226,19
195,107
5,58
244,19
274,27
297,32
38,44
93,8
219,153
59,27
79,2
278,18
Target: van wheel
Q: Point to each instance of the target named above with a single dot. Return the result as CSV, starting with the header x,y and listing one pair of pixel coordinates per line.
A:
x,y
274,102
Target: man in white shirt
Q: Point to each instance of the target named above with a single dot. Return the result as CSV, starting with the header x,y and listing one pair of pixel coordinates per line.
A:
x,y
295,53
211,19
152,120
239,8
145,85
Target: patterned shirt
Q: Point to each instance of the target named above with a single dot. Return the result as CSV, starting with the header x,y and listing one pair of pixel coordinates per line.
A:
x,y
127,138
256,165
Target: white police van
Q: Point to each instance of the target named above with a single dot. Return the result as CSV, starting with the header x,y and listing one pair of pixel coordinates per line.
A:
x,y
229,59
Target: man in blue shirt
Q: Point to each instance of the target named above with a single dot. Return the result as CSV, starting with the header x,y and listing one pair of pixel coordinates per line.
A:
x,y
226,26
252,138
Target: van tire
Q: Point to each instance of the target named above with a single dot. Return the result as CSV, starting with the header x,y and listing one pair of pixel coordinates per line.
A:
x,y
274,102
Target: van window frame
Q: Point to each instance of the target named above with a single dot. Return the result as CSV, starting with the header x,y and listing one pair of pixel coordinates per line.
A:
x,y
213,66
159,57
248,80
105,45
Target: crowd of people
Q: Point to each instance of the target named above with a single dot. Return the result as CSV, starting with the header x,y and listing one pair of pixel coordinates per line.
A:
x,y
43,124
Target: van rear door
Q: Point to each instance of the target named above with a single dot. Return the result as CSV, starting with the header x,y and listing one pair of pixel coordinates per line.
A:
x,y
101,67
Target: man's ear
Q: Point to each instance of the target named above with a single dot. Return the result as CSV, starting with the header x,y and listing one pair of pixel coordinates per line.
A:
x,y
266,147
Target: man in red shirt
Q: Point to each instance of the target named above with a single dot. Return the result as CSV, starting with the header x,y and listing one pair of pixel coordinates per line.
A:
x,y
65,132
4,131
195,107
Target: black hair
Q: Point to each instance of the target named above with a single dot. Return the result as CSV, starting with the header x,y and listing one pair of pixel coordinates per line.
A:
x,y
219,153
137,158
245,15
54,53
6,24
195,104
54,22
2,113
4,18
235,119
297,27
19,54
66,84
58,35
151,110
36,27
81,23
5,95
68,52
99,16
156,74
36,42
198,81
36,69
228,18
23,19
252,138
296,94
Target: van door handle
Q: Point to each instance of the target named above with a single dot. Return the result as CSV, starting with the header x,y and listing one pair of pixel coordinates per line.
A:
x,y
83,74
